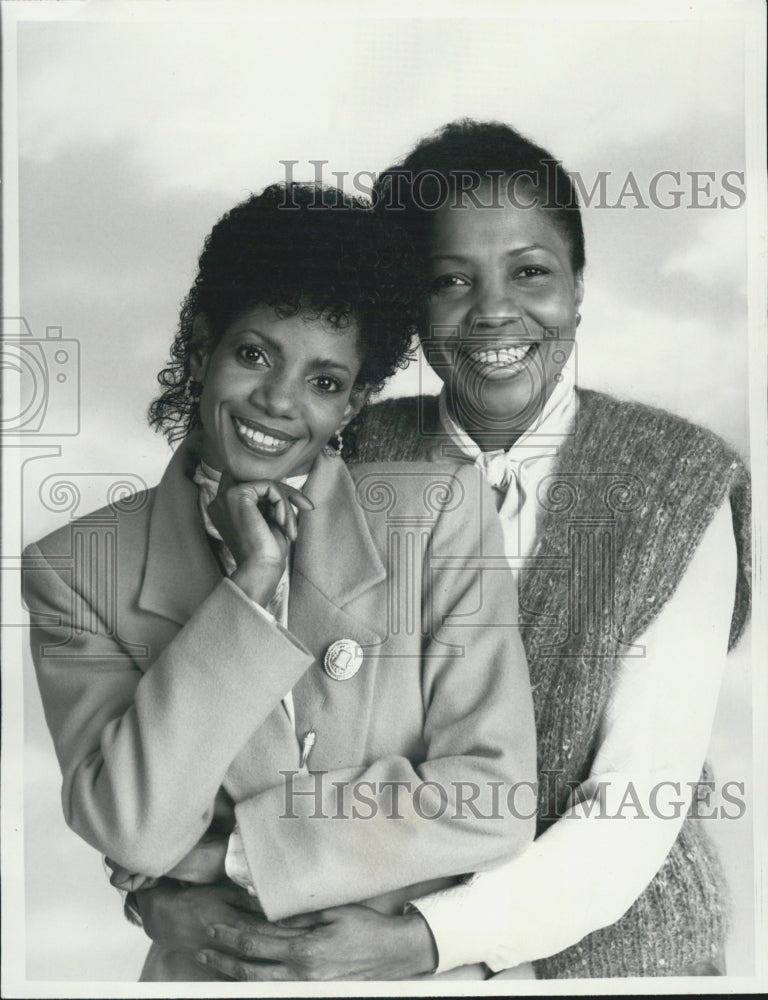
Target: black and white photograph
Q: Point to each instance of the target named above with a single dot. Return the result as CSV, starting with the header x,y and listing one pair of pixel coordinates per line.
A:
x,y
384,498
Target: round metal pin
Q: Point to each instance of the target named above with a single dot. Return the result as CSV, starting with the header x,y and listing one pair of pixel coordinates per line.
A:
x,y
343,659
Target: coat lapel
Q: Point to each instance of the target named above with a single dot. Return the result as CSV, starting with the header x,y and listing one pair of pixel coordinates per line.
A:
x,y
335,564
335,551
336,593
181,570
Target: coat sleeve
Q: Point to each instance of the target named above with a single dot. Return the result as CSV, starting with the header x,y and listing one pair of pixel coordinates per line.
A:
x,y
143,754
329,838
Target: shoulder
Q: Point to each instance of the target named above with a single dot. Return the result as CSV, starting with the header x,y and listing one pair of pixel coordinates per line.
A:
x,y
633,427
395,429
682,474
669,455
400,408
667,460
414,477
441,497
129,514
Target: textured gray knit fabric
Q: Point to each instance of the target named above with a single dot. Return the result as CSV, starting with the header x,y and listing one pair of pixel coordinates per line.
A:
x,y
633,490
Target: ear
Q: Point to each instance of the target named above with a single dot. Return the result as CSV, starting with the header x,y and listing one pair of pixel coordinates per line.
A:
x,y
578,292
201,351
356,402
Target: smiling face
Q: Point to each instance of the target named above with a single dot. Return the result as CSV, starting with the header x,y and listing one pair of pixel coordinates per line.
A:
x,y
274,391
502,315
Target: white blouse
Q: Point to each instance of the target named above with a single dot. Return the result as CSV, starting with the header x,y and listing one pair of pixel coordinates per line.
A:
x,y
584,872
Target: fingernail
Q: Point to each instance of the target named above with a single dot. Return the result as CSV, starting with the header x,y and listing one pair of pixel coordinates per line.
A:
x,y
211,932
201,957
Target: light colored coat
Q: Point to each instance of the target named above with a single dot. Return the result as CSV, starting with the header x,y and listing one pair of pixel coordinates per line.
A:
x,y
162,685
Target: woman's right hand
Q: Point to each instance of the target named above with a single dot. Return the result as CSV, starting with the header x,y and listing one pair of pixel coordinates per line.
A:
x,y
223,922
257,522
352,942
177,916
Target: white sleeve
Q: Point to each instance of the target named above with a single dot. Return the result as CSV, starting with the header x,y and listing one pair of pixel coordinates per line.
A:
x,y
588,868
236,863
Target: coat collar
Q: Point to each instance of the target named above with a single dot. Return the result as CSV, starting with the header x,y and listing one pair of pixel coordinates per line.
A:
x,y
334,552
181,569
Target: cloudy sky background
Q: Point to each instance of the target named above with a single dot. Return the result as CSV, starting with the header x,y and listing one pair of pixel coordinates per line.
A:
x,y
136,134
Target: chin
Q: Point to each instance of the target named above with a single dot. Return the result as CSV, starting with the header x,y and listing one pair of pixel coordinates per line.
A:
x,y
523,404
244,468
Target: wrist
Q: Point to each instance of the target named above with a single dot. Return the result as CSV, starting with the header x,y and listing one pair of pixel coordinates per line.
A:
x,y
419,955
146,903
258,582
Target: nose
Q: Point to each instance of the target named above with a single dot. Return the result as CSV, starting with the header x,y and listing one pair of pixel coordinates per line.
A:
x,y
496,305
275,395
496,299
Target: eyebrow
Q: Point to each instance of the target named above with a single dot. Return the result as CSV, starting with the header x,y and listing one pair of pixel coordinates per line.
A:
x,y
508,253
275,346
330,363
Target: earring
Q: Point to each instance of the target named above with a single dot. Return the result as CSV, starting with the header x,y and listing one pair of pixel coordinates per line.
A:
x,y
192,390
334,451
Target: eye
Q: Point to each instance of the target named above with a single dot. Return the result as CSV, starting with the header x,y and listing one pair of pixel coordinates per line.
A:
x,y
532,271
446,281
326,383
252,355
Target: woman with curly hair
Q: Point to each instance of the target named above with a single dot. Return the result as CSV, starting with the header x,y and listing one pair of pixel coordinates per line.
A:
x,y
270,611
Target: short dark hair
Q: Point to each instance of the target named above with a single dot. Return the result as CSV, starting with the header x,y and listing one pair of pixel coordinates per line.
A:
x,y
443,161
296,248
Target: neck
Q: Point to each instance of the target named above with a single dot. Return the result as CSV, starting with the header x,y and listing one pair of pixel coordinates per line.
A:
x,y
491,425
490,435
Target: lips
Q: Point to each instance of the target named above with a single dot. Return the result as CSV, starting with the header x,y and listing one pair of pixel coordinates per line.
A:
x,y
260,441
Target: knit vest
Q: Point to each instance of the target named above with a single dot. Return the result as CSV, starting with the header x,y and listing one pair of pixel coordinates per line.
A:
x,y
632,492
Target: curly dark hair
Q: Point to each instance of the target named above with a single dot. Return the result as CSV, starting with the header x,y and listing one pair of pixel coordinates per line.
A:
x,y
297,247
443,166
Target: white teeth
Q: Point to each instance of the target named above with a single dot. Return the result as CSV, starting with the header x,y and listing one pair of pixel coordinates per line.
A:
x,y
265,441
501,356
